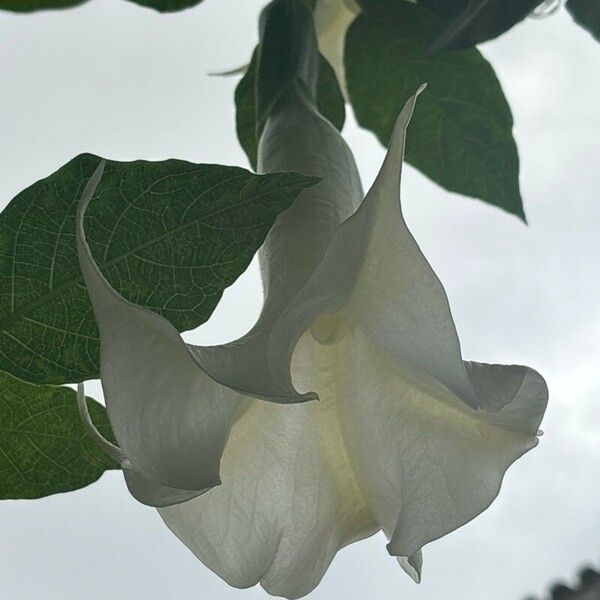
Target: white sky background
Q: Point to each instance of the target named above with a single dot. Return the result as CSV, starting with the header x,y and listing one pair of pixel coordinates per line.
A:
x,y
124,82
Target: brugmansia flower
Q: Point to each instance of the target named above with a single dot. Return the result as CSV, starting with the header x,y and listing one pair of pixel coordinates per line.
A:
x,y
347,408
332,19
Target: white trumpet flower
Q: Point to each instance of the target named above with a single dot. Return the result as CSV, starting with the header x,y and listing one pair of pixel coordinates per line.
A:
x,y
332,20
259,479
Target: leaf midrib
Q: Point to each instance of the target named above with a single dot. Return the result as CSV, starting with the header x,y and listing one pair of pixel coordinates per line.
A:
x,y
27,432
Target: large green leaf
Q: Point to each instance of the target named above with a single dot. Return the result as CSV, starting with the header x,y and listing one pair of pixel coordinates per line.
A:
x,y
33,5
479,21
245,113
461,133
587,14
44,448
330,104
170,236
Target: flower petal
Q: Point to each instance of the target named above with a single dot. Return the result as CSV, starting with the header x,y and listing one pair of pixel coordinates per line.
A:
x,y
412,565
373,273
429,436
426,462
151,376
295,138
288,500
398,299
515,396
332,19
170,418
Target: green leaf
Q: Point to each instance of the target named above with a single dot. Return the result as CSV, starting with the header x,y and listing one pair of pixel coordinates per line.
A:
x,y
461,133
33,5
330,101
482,20
44,448
170,236
587,14
330,104
245,113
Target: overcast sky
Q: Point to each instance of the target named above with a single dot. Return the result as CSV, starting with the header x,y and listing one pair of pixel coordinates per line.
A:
x,y
124,82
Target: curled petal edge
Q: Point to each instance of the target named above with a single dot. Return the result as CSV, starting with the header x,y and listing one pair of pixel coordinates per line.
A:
x,y
148,376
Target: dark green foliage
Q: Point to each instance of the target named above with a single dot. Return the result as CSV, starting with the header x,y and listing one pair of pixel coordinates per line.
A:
x,y
33,5
461,133
587,14
170,236
44,448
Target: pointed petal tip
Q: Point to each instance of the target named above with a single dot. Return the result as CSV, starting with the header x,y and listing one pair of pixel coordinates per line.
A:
x,y
414,575
403,119
97,174
88,193
412,565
